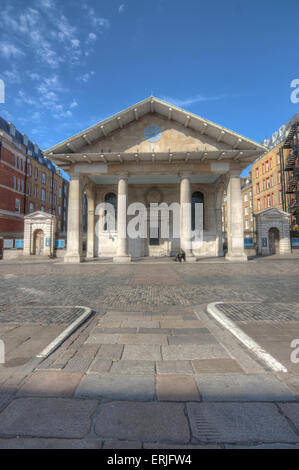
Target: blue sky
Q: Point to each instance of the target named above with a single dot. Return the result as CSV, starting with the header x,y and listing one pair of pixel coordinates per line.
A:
x,y
69,64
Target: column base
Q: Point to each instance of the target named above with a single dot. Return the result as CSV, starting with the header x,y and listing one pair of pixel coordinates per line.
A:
x,y
231,257
73,259
122,259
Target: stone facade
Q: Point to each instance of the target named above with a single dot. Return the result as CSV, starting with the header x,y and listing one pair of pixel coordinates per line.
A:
x,y
267,221
45,224
151,153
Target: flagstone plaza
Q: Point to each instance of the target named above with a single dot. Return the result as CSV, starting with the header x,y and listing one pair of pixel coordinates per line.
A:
x,y
150,367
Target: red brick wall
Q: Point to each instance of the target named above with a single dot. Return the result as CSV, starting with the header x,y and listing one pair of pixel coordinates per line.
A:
x,y
8,225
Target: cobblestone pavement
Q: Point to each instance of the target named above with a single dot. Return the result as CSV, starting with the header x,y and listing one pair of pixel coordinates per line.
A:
x,y
151,369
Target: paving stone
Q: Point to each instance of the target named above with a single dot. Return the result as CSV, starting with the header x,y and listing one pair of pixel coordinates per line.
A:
x,y
111,352
190,352
159,445
144,352
47,417
239,422
87,351
192,339
174,367
143,421
108,324
112,386
78,364
180,324
100,366
263,446
190,331
136,323
34,443
100,338
133,367
143,339
214,366
122,445
155,331
176,388
51,383
237,387
120,331
291,410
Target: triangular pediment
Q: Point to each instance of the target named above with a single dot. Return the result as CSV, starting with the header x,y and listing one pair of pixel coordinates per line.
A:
x,y
39,215
126,135
273,213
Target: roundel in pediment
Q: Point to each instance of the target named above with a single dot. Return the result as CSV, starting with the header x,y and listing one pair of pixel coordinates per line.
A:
x,y
153,195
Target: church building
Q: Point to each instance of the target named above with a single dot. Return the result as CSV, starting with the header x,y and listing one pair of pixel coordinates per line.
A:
x,y
154,152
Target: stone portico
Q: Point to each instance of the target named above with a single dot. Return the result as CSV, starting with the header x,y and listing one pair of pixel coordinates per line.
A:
x,y
154,152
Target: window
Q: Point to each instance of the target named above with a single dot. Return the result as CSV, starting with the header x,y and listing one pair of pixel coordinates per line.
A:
x,y
30,170
197,198
263,168
54,199
14,182
35,173
250,203
267,165
268,183
269,200
258,204
16,161
257,172
246,210
245,197
265,202
246,224
279,178
18,206
59,210
35,191
43,195
31,207
29,189
42,209
257,188
43,178
59,192
111,198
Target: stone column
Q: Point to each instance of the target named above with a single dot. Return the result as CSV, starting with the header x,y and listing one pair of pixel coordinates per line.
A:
x,y
186,229
90,224
235,231
74,229
122,255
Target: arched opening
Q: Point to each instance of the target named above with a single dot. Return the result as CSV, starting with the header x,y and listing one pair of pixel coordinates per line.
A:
x,y
274,240
197,198
38,242
111,198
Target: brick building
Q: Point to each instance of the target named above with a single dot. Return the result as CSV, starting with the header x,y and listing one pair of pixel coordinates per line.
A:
x,y
267,181
28,182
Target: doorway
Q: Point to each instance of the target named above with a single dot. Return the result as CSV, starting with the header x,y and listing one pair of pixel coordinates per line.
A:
x,y
274,239
38,242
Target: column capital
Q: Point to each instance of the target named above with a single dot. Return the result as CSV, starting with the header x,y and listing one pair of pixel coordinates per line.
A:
x,y
234,174
123,175
185,174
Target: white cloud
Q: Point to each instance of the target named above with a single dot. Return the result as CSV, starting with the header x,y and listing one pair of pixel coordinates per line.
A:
x,y
12,76
121,8
73,104
85,77
9,50
192,100
91,38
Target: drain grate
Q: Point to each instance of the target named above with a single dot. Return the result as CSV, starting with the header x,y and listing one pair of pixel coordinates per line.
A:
x,y
274,312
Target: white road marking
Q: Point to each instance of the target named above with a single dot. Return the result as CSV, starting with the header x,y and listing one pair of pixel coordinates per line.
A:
x,y
244,338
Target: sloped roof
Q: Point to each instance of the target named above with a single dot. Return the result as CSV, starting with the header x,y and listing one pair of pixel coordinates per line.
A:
x,y
153,105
